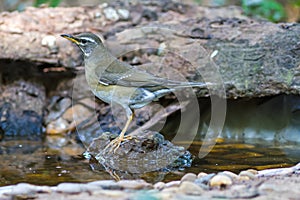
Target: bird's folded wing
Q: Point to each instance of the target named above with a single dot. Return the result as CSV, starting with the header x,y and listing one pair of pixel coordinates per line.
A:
x,y
131,79
123,74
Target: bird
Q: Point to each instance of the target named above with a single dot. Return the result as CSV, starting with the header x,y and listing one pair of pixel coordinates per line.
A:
x,y
117,82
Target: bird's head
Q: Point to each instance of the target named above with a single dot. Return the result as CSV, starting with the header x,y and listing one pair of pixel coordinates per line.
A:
x,y
87,42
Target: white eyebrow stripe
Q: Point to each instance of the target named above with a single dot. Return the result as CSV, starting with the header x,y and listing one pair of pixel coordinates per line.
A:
x,y
88,39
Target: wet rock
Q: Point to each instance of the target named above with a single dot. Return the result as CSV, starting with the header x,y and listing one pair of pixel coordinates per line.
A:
x,y
78,113
14,123
146,152
190,188
57,107
220,180
190,177
21,109
58,126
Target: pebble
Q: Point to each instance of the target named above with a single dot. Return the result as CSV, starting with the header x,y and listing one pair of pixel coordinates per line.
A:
x,y
123,13
273,172
220,180
267,187
190,188
111,14
253,171
134,184
205,179
25,188
170,190
296,167
78,113
159,185
71,188
243,178
106,184
173,184
50,42
58,126
190,177
201,175
230,174
248,174
111,193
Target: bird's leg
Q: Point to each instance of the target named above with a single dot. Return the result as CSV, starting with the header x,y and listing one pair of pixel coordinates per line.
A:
x,y
115,144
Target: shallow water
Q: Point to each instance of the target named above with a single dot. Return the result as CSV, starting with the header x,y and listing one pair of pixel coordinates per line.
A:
x,y
43,163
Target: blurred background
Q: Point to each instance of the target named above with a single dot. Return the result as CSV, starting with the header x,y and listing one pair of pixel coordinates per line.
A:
x,y
273,10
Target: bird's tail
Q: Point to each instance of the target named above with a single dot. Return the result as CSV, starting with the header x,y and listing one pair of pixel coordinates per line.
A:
x,y
171,87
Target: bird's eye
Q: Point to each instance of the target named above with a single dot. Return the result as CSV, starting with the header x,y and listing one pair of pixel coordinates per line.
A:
x,y
83,41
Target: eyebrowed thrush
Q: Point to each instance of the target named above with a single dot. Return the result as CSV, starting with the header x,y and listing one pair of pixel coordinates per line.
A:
x,y
114,81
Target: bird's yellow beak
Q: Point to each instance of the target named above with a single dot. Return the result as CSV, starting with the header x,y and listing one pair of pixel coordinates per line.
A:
x,y
71,38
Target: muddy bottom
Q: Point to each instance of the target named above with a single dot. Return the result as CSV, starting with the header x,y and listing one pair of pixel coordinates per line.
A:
x,y
56,159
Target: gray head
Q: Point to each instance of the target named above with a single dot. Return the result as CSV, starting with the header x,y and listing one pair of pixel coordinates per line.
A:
x,y
87,42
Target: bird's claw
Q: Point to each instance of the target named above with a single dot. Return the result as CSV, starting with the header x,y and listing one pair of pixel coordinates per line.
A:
x,y
115,143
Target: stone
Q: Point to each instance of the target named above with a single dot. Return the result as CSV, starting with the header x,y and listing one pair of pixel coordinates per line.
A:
x,y
123,14
170,190
50,42
253,171
230,174
243,178
57,107
201,174
111,193
248,174
190,188
58,126
71,188
134,184
25,189
159,185
220,180
297,167
111,14
191,177
106,184
172,184
78,113
273,172
204,180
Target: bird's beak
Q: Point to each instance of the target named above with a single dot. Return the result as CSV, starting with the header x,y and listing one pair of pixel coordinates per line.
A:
x,y
71,38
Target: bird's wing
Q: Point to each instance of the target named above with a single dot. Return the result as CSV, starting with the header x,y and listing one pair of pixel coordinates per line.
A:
x,y
123,74
119,73
131,79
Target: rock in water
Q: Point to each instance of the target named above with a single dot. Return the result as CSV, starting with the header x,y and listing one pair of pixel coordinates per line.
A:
x,y
147,152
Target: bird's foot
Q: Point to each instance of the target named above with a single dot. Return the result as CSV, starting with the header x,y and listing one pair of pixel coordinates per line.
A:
x,y
115,143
